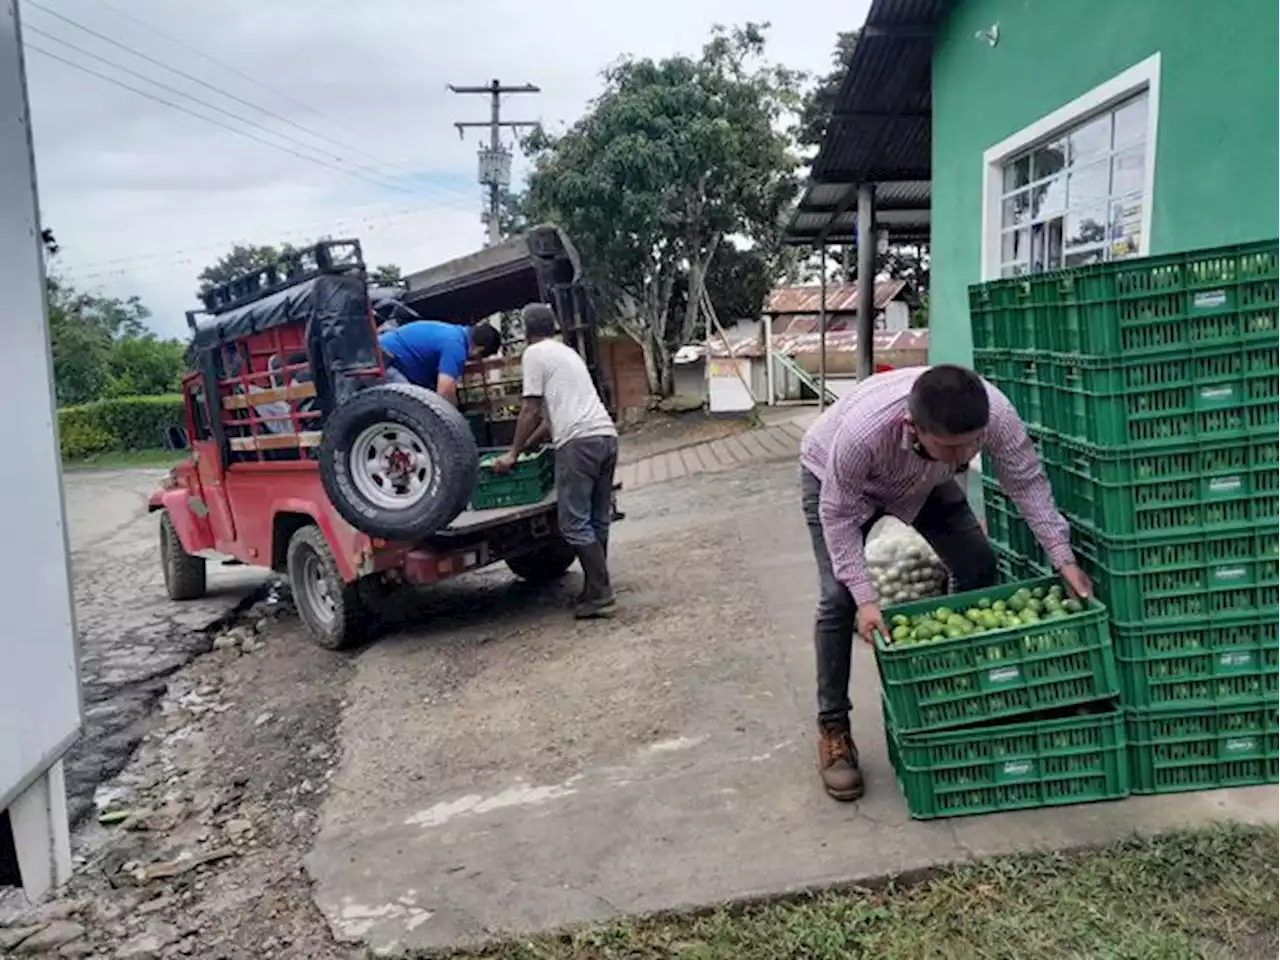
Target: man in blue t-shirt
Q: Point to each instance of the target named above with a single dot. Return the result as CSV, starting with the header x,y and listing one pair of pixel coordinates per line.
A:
x,y
431,353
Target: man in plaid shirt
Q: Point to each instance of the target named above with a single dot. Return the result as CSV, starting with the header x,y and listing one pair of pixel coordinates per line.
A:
x,y
894,446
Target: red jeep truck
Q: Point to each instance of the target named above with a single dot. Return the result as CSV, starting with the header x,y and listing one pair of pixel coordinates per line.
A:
x,y
303,460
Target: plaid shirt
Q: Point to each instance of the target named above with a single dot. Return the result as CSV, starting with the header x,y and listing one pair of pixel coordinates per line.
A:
x,y
863,452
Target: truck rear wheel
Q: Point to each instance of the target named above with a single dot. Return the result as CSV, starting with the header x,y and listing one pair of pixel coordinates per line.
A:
x,y
547,563
398,461
333,610
185,577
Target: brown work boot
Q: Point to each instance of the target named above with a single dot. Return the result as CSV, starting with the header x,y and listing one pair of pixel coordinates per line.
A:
x,y
838,760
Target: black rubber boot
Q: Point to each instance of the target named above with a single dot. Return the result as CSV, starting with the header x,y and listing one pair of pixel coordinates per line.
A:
x,y
586,581
597,595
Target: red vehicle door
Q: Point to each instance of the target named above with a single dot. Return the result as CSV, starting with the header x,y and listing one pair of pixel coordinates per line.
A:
x,y
208,460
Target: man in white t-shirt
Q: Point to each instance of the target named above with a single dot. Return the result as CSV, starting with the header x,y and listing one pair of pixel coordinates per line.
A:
x,y
559,391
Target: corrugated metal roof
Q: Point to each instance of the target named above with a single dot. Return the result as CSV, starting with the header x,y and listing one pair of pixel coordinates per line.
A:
x,y
841,297
792,344
881,132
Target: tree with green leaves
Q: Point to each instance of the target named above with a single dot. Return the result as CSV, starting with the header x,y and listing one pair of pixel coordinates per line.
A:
x,y
386,275
103,348
673,158
820,101
242,259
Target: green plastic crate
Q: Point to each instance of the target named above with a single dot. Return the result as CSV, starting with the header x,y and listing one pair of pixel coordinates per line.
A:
x,y
1198,663
1037,763
1231,745
1149,579
1000,673
1001,316
528,482
1163,304
1226,392
1193,488
1005,525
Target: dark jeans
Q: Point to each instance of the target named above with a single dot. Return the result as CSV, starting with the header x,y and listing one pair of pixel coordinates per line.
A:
x,y
584,488
946,521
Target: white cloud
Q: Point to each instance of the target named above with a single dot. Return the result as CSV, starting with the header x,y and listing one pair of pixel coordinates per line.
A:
x,y
141,197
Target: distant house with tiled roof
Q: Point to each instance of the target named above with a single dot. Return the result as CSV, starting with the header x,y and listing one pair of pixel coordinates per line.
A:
x,y
797,309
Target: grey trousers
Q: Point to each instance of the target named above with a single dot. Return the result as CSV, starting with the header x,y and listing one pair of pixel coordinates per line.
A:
x,y
584,489
946,521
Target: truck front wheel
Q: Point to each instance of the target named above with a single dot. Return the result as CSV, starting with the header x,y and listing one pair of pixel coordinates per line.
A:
x,y
184,575
542,565
332,609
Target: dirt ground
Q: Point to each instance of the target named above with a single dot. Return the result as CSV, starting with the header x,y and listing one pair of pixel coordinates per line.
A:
x,y
214,813
663,432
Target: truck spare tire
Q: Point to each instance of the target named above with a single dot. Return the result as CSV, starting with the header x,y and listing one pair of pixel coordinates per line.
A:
x,y
398,461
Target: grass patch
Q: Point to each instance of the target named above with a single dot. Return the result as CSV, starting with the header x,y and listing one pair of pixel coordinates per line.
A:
x,y
1206,894
126,459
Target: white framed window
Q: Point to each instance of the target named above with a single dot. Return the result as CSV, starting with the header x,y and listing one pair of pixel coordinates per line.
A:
x,y
1075,187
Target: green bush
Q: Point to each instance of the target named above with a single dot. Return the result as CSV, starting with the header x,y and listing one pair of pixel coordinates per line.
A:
x,y
121,424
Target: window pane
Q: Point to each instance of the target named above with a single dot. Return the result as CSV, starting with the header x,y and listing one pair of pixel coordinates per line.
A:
x,y
1127,171
1016,209
1046,246
1087,185
1080,258
1013,246
1087,226
1049,198
1091,140
1131,121
1017,174
1126,228
1048,159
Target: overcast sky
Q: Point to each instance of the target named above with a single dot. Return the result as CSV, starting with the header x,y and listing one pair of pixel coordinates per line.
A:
x,y
142,197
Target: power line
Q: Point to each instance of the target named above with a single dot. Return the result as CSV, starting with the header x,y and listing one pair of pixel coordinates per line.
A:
x,y
230,68
194,99
76,271
193,79
199,116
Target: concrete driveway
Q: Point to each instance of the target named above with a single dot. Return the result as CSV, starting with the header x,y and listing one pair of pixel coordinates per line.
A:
x,y
506,769
131,635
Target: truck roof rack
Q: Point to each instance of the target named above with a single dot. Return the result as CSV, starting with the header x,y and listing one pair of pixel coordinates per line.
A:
x,y
294,267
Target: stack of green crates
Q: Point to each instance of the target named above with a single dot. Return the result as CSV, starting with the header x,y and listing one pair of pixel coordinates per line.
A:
x,y
529,480
1003,719
1150,390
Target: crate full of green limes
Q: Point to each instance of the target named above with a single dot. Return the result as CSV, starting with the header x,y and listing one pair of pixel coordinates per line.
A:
x,y
994,653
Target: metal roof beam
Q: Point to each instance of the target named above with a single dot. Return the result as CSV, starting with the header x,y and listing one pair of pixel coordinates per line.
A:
x,y
881,115
873,175
887,205
906,31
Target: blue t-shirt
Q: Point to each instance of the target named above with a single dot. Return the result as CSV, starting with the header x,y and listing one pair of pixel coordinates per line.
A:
x,y
425,349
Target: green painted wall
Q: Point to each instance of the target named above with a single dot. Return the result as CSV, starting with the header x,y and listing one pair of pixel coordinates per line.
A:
x,y
1217,161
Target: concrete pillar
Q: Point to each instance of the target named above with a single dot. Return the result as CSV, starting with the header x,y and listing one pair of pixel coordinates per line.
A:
x,y
866,278
42,834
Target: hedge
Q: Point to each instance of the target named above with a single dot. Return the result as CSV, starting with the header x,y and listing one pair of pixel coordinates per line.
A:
x,y
126,423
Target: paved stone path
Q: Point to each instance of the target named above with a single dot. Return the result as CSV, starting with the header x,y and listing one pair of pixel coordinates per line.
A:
x,y
778,442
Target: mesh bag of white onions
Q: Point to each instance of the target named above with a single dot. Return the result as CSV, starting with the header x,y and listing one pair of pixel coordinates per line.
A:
x,y
903,565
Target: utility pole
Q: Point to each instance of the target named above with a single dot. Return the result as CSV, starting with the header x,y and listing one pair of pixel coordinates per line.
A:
x,y
495,159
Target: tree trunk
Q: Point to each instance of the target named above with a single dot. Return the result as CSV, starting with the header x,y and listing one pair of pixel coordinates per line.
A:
x,y
657,364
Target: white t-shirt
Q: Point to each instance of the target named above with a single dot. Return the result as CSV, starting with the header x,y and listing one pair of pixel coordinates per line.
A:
x,y
558,375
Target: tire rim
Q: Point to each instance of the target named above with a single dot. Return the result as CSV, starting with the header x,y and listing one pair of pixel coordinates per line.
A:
x,y
391,466
316,593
